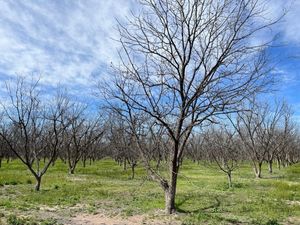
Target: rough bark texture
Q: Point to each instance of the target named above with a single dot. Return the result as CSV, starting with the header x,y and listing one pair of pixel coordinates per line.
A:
x,y
170,192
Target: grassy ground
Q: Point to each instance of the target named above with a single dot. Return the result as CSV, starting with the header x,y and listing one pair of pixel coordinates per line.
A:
x,y
203,196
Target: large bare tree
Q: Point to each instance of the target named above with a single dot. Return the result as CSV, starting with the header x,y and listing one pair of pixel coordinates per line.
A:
x,y
182,63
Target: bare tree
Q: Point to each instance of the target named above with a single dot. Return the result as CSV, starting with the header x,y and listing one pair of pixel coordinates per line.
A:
x,y
56,114
27,127
248,124
122,143
183,62
3,147
81,135
223,147
286,142
260,129
275,130
195,149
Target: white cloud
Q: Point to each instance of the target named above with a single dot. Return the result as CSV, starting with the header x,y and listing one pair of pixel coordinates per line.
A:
x,y
289,26
66,41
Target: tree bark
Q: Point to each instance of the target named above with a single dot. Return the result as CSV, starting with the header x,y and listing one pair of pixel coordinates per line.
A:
x,y
124,165
258,170
170,200
72,166
278,164
38,183
270,166
170,192
84,162
229,179
71,170
132,171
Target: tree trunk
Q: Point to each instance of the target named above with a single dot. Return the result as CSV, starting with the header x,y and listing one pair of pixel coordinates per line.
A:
x,y
229,179
71,170
72,166
84,162
278,164
38,183
270,166
170,199
132,171
258,170
170,192
125,165
0,162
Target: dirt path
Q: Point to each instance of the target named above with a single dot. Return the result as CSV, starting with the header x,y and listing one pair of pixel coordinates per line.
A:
x,y
99,219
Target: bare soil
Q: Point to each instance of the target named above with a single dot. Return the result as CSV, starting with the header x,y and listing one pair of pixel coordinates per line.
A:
x,y
101,219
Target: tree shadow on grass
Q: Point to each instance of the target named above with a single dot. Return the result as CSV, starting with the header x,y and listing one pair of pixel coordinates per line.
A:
x,y
216,204
205,214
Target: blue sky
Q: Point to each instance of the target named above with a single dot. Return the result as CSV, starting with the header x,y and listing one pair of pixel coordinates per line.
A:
x,y
70,42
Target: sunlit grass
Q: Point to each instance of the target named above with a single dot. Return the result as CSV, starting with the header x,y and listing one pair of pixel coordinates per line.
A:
x,y
203,196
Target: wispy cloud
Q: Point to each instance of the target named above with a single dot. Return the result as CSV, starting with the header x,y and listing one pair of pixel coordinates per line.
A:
x,y
71,42
65,41
289,26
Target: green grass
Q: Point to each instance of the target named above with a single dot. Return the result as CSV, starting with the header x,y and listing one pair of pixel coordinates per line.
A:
x,y
202,194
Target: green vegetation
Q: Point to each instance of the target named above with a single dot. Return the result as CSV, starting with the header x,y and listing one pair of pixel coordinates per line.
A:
x,y
203,195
